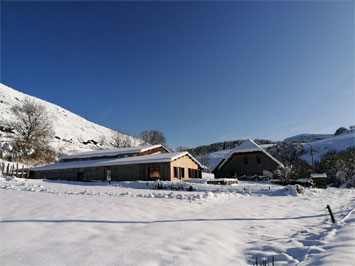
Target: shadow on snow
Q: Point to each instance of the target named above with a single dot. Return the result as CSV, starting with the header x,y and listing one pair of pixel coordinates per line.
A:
x,y
160,221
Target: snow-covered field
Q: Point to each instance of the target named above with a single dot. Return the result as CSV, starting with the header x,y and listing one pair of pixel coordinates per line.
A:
x,y
128,223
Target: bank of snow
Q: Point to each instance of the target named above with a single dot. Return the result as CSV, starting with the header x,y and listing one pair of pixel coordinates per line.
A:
x,y
128,223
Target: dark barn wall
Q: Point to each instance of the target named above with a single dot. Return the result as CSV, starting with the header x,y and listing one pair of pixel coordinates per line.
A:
x,y
130,172
236,165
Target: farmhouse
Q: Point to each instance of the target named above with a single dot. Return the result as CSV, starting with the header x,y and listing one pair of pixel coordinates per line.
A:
x,y
129,164
248,159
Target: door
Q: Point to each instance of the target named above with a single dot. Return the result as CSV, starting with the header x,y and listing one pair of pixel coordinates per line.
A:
x,y
80,176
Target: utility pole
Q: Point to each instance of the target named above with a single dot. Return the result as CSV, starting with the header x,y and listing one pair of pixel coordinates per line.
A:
x,y
312,155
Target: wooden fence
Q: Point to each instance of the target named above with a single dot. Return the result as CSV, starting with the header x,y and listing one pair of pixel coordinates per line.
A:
x,y
11,169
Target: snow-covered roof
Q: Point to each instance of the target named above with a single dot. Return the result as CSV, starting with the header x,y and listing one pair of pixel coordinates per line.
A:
x,y
304,180
248,146
111,152
151,158
324,175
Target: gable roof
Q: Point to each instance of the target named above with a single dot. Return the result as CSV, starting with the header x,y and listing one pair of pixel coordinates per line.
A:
x,y
111,152
247,146
151,158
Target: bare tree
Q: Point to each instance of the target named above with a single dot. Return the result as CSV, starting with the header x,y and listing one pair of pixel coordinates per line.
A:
x,y
181,148
33,129
121,140
204,156
102,140
153,137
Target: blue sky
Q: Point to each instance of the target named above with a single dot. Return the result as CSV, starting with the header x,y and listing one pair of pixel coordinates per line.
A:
x,y
200,72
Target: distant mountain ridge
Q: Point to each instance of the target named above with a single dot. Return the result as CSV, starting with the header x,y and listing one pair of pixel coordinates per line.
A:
x,y
72,133
305,138
225,145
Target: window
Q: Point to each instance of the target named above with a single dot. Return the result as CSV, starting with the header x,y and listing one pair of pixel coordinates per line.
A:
x,y
179,172
245,160
154,172
258,159
194,173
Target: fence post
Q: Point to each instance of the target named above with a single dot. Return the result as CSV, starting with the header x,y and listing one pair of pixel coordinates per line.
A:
x,y
22,171
7,169
16,169
331,214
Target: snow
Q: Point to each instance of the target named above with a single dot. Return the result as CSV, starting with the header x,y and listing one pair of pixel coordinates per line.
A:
x,y
304,180
337,143
127,223
152,158
72,129
324,175
207,176
308,137
216,157
110,152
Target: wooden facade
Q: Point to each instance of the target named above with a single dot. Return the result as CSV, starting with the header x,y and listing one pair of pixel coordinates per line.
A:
x,y
246,164
184,168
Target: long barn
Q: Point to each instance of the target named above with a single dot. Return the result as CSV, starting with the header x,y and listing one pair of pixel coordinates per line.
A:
x,y
147,163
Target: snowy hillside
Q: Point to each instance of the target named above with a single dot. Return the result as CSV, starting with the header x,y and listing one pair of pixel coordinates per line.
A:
x,y
308,137
336,143
71,130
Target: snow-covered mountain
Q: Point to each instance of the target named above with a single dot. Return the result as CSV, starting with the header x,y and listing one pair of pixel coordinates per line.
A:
x,y
72,133
304,138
